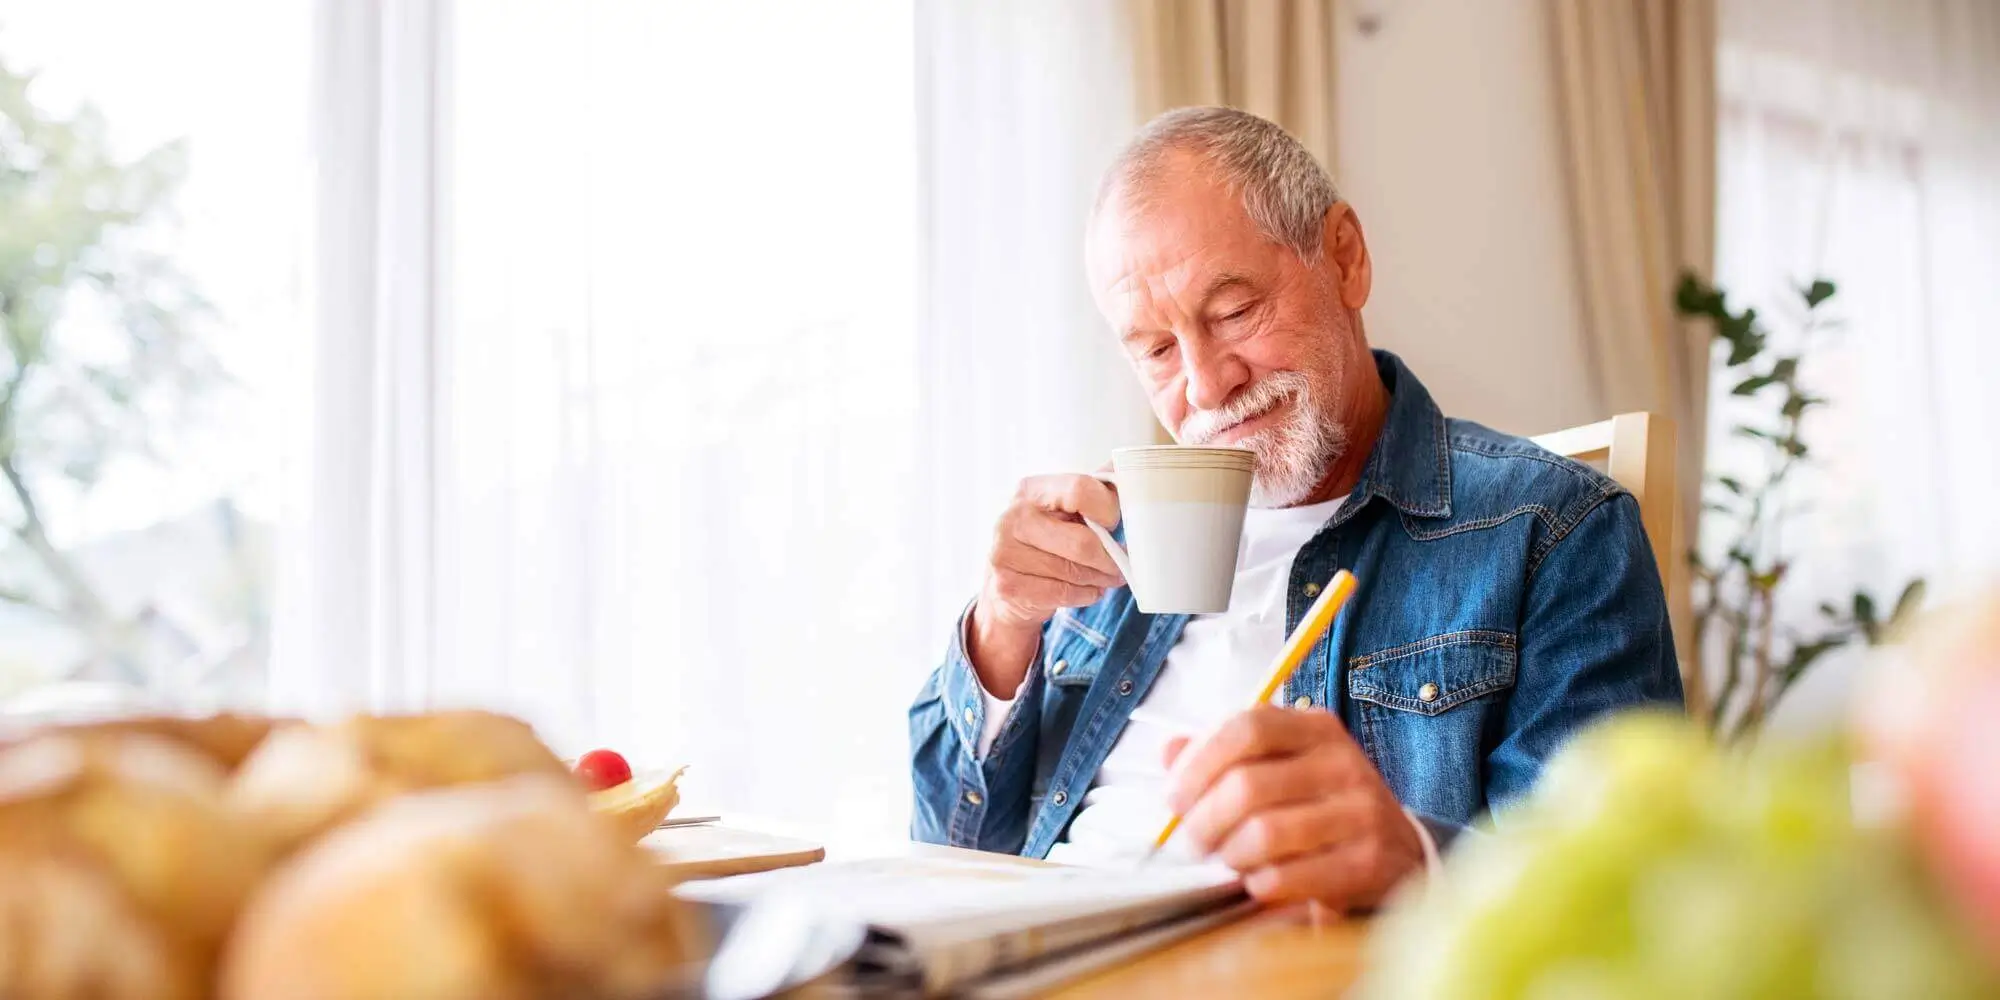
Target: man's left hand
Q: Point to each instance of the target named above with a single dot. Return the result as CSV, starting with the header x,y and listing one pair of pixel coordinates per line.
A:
x,y
1289,800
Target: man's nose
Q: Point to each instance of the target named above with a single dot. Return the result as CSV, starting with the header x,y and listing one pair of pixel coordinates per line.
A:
x,y
1213,374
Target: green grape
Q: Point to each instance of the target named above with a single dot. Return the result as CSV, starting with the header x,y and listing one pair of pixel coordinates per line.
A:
x,y
1783,804
1641,774
1890,938
1562,914
1591,979
1648,865
1710,924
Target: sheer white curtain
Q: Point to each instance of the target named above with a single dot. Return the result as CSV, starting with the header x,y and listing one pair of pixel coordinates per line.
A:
x,y
1023,105
741,320
352,617
1859,140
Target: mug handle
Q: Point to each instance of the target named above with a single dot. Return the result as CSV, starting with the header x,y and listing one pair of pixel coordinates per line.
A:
x,y
1116,551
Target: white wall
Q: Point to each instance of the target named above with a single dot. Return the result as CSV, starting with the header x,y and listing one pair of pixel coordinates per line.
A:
x,y
1450,153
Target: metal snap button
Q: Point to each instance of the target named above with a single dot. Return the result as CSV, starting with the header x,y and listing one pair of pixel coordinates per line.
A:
x,y
1311,589
1302,701
968,715
973,798
1125,686
1429,692
1061,665
1059,798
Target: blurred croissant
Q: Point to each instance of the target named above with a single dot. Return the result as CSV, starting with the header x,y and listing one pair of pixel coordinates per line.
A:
x,y
121,869
304,779
225,739
502,891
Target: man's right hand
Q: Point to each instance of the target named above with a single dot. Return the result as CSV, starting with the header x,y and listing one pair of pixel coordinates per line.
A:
x,y
1043,558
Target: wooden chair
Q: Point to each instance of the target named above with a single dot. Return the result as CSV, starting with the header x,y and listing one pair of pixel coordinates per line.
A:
x,y
1637,449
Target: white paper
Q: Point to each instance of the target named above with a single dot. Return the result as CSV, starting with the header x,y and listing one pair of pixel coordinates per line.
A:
x,y
962,918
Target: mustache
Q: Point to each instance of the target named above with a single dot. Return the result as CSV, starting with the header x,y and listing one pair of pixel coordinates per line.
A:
x,y
1202,426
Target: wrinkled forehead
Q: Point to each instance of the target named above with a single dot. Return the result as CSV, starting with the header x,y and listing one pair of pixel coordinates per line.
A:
x,y
1168,238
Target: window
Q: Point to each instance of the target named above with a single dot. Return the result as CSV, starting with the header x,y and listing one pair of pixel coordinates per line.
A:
x,y
152,183
1852,144
653,371
681,390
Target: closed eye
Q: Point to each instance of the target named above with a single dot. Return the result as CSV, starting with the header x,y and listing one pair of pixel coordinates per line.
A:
x,y
1160,350
1237,313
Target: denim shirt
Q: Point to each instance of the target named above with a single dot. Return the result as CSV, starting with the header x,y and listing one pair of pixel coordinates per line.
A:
x,y
1507,597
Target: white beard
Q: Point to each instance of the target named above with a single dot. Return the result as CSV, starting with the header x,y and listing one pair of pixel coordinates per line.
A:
x,y
1293,456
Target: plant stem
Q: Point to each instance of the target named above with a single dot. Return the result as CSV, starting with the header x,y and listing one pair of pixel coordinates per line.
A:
x,y
84,609
1733,677
1760,688
1696,690
27,600
1764,597
84,605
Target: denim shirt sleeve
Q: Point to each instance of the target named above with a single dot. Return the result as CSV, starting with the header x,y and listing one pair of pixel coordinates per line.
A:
x,y
961,799
1594,638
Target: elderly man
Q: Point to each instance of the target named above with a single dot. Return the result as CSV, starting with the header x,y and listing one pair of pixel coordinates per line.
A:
x,y
1508,596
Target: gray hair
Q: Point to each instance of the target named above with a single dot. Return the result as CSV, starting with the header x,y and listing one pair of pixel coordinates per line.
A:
x,y
1285,191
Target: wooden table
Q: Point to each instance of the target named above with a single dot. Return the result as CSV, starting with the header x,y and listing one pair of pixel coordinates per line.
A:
x,y
1297,951
713,851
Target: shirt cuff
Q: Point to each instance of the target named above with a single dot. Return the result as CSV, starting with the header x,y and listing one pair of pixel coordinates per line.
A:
x,y
982,728
1433,864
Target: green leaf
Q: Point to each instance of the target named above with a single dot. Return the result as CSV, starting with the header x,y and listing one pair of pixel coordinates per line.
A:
x,y
1912,596
1793,447
1689,294
1695,297
1826,608
1745,430
1864,616
1819,291
1749,386
1784,369
1804,654
1797,405
1731,483
1737,326
1744,351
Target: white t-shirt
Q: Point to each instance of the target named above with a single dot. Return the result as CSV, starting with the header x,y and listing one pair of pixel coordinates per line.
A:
x,y
1210,675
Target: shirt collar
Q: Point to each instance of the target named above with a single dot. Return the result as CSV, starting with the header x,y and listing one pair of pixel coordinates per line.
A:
x,y
1410,464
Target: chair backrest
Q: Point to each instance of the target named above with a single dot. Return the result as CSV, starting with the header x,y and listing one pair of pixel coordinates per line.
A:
x,y
1637,449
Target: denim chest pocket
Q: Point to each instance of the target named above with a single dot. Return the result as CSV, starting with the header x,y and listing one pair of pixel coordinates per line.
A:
x,y
1424,710
1075,652
1434,675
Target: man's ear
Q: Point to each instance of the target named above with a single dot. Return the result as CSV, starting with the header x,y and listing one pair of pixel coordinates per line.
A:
x,y
1346,252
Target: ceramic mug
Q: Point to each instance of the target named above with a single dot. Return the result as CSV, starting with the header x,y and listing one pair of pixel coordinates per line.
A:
x,y
1183,520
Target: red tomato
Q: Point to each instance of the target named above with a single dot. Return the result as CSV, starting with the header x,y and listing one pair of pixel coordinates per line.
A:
x,y
602,769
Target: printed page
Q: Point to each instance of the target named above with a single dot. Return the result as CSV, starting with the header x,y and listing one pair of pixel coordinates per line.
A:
x,y
961,918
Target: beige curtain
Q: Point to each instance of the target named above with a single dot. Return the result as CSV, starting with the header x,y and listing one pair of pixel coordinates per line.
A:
x,y
1268,57
1636,85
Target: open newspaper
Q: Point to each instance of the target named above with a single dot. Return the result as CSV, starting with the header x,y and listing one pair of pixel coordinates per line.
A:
x,y
942,924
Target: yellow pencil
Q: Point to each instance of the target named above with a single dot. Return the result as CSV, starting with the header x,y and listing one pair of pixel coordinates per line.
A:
x,y
1318,619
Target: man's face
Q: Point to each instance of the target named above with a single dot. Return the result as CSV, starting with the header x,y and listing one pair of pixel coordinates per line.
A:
x,y
1237,341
